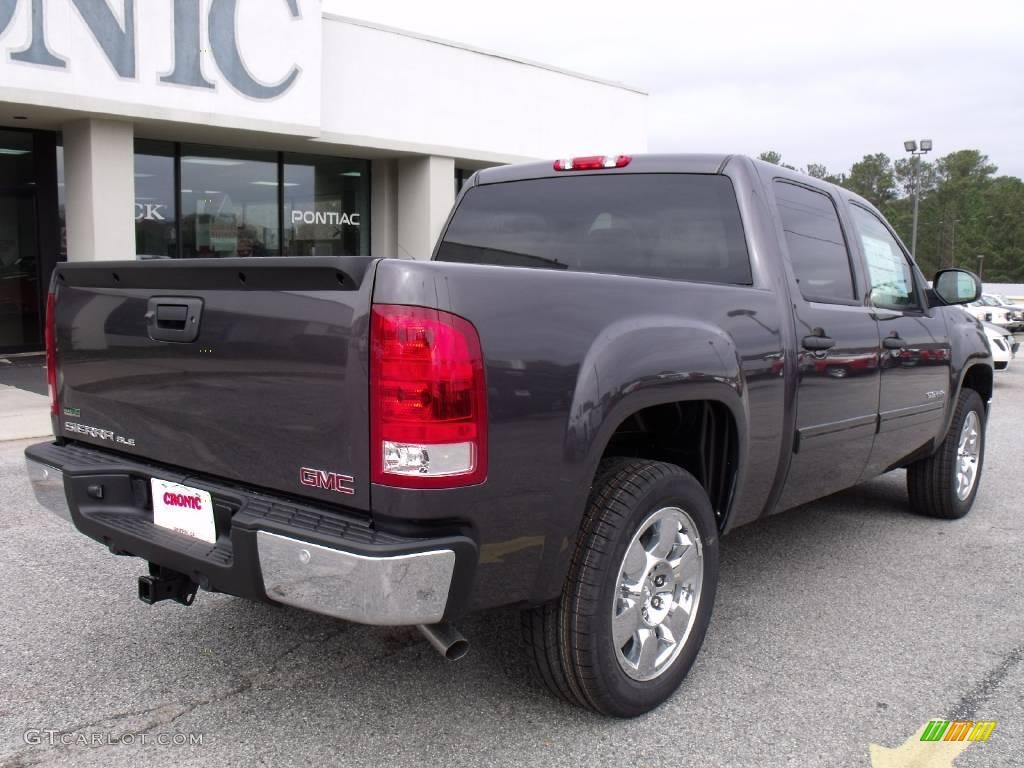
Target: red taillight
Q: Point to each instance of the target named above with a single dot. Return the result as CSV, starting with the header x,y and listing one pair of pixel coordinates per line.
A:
x,y
428,400
51,350
592,163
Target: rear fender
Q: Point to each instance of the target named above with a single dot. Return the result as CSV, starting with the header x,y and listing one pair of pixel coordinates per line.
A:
x,y
633,364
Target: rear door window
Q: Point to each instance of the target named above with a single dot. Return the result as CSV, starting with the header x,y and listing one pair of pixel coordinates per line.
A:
x,y
672,226
817,248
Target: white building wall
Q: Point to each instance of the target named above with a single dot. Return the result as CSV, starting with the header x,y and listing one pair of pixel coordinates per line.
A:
x,y
395,90
270,42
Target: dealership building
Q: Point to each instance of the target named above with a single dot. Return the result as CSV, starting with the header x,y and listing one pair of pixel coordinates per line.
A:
x,y
216,128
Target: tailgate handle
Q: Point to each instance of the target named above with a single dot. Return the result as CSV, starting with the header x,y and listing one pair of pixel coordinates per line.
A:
x,y
173,318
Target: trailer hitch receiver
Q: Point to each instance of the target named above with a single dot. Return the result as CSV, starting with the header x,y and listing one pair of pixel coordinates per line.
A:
x,y
165,584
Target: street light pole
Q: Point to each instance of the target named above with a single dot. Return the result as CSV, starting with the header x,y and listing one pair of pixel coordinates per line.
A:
x,y
913,238
952,247
981,260
915,162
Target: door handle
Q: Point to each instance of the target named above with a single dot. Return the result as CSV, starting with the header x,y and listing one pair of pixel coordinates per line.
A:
x,y
893,342
818,343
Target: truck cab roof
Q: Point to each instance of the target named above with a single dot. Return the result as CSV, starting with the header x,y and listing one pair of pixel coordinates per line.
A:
x,y
707,163
645,163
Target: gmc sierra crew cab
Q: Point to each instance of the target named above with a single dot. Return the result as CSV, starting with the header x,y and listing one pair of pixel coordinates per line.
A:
x,y
608,363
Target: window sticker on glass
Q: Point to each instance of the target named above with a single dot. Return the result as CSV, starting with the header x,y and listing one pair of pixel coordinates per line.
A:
x,y
885,269
892,280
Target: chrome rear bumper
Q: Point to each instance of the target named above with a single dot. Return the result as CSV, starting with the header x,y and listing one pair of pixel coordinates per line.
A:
x,y
48,486
405,589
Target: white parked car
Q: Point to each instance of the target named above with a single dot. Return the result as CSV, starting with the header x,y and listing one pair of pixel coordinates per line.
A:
x,y
1004,345
991,312
1016,310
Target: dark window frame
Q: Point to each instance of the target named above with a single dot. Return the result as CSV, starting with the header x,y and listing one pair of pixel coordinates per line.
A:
x,y
280,203
858,294
178,231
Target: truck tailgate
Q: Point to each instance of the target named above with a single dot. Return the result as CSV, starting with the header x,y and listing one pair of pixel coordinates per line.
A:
x,y
253,370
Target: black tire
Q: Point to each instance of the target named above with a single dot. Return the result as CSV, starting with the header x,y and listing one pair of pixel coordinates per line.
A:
x,y
931,482
570,639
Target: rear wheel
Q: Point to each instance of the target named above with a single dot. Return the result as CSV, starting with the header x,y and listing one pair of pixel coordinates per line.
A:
x,y
945,484
638,598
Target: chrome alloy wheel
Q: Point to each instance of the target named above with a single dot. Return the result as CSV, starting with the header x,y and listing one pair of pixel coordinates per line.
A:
x,y
658,592
968,454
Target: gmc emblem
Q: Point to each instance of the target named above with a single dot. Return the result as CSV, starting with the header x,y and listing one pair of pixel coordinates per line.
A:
x,y
328,481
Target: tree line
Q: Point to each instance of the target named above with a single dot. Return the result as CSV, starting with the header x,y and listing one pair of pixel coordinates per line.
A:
x,y
966,210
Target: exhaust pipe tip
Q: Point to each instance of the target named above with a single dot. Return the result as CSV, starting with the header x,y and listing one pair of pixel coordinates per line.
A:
x,y
446,639
457,650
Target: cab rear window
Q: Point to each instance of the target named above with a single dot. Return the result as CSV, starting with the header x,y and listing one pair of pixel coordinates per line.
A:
x,y
670,226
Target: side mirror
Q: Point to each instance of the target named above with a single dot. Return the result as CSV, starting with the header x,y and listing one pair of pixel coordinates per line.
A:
x,y
956,286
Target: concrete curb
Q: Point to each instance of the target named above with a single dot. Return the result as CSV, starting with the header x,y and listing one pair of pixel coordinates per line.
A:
x,y
23,415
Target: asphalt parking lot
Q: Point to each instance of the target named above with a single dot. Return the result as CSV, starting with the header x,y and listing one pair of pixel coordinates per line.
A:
x,y
844,624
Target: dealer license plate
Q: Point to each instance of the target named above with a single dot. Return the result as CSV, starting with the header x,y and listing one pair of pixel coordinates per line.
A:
x,y
183,509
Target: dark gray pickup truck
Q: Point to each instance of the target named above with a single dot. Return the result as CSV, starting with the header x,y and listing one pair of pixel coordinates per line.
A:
x,y
608,363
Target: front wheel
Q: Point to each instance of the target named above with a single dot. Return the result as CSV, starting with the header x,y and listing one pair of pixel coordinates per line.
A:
x,y
945,484
638,598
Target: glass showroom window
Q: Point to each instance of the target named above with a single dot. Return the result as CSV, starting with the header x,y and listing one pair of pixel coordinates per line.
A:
x,y
19,244
156,209
229,202
326,206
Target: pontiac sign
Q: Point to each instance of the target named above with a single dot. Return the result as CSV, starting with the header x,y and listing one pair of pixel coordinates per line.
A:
x,y
235,60
338,219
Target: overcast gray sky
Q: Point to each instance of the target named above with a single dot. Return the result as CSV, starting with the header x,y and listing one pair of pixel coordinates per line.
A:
x,y
820,81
